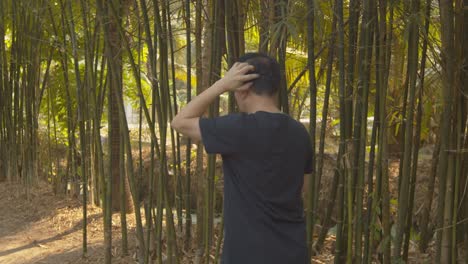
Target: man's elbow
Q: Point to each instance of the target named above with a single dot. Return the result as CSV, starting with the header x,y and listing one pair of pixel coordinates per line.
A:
x,y
176,124
187,127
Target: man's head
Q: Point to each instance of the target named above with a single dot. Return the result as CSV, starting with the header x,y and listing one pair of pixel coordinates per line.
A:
x,y
269,70
266,86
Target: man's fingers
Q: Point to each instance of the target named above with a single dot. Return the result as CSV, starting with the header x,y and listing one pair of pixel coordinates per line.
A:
x,y
246,68
245,86
240,65
249,77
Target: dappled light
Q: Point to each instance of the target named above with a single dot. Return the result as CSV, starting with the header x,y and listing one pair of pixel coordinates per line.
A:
x,y
191,131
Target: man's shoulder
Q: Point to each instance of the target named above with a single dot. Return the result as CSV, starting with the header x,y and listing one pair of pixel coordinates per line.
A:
x,y
230,122
233,115
297,124
224,118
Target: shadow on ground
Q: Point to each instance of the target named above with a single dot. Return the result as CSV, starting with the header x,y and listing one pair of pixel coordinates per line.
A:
x,y
75,256
18,214
38,243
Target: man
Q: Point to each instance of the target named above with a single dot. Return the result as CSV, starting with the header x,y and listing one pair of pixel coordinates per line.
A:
x,y
265,155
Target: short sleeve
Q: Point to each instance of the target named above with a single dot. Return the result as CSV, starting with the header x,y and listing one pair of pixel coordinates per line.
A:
x,y
308,156
222,135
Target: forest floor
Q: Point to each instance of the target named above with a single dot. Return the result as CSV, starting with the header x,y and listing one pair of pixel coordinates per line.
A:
x,y
47,228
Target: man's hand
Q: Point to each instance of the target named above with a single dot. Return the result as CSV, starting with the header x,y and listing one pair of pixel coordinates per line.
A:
x,y
237,78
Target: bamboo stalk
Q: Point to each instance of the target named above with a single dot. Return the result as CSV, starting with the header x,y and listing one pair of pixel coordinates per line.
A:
x,y
188,154
123,198
343,133
175,137
81,121
311,188
418,133
199,25
446,14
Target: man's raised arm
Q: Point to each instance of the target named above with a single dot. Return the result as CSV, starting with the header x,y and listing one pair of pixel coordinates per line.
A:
x,y
186,121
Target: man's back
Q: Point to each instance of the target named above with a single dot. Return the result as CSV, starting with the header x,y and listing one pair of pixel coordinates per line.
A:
x,y
265,156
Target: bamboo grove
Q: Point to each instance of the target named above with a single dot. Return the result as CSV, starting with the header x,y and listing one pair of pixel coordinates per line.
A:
x,y
385,77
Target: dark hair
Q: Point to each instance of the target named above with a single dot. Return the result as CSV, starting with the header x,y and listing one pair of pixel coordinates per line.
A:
x,y
269,81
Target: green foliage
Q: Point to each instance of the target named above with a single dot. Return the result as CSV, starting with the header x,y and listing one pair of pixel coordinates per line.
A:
x,y
60,94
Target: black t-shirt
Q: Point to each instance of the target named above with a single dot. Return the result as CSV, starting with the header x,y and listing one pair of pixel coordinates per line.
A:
x,y
265,156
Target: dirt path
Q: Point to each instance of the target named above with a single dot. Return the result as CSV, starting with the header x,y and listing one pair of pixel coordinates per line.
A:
x,y
48,229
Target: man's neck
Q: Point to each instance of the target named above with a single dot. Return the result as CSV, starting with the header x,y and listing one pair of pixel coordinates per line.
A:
x,y
264,105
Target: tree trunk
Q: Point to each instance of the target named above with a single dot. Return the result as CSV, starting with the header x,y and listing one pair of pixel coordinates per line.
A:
x,y
445,179
339,249
404,189
311,188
